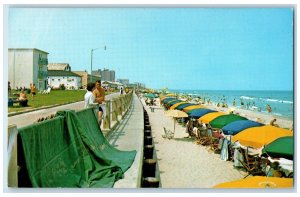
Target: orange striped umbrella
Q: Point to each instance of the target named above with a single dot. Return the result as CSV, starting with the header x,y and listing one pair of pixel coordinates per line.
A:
x,y
260,136
176,104
210,116
258,182
186,109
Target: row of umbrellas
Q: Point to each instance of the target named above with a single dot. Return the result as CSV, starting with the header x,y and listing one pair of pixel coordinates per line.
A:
x,y
247,132
277,142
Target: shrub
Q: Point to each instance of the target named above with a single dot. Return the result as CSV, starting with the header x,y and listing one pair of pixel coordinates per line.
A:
x,y
62,87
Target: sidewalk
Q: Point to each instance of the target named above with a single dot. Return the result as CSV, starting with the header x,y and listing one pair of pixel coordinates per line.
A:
x,y
127,136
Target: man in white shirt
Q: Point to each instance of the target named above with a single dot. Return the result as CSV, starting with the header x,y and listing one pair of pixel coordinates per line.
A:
x,y
89,98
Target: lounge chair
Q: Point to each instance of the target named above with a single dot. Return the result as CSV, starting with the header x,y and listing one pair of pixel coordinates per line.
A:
x,y
47,91
205,137
168,134
252,162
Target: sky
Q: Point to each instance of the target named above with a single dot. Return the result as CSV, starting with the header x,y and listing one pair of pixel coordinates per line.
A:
x,y
177,48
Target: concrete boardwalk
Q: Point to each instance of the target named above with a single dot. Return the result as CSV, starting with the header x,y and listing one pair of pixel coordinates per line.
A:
x,y
127,136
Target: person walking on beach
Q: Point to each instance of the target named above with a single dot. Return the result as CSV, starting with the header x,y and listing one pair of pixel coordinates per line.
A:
x,y
269,109
32,89
89,98
99,94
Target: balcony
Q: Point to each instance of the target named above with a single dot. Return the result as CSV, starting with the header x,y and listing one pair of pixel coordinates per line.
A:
x,y
42,74
43,61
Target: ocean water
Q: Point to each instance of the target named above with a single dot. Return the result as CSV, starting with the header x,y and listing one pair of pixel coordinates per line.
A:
x,y
281,102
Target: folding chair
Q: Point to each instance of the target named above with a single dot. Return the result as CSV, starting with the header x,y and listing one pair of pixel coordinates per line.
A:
x,y
168,134
251,162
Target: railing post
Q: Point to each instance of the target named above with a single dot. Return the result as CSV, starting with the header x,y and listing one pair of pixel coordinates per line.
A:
x,y
109,114
12,173
114,110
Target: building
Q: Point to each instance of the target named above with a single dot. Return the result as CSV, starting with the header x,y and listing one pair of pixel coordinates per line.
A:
x,y
70,80
124,81
85,77
59,66
106,74
27,66
111,84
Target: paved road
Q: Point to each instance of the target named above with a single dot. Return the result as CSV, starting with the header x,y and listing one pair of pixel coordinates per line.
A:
x,y
31,117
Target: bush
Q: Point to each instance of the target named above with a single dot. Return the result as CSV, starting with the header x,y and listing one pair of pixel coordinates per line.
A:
x,y
62,87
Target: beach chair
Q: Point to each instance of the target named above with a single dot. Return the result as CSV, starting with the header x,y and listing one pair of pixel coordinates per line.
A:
x,y
251,162
168,134
47,91
215,140
204,138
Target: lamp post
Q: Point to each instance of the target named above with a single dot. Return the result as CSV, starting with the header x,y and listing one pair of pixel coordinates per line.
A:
x,y
92,50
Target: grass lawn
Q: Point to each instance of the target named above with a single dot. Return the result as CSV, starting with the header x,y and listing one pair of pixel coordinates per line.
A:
x,y
55,97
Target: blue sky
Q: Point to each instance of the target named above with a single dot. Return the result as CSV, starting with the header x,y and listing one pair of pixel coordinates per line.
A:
x,y
178,48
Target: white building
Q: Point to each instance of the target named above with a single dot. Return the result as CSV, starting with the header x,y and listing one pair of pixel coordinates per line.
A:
x,y
69,79
26,66
59,66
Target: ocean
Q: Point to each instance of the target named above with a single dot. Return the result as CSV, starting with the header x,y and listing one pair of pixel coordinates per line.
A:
x,y
281,102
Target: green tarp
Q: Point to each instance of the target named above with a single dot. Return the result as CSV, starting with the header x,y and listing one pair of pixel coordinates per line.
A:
x,y
71,151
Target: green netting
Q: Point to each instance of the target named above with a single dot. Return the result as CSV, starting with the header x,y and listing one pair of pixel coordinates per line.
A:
x,y
71,151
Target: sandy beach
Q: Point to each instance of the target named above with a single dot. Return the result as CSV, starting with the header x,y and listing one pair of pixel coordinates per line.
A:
x,y
182,163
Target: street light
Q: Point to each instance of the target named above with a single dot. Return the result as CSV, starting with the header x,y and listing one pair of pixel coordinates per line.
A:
x,y
92,50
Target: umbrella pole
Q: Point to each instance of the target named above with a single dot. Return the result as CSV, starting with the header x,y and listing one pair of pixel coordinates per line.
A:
x,y
174,124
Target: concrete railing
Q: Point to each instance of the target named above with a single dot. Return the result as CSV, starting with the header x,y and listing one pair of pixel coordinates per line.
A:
x,y
116,110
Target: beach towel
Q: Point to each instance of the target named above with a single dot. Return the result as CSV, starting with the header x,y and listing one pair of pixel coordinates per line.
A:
x,y
71,151
224,150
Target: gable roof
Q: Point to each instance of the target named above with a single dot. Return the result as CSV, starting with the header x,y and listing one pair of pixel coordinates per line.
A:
x,y
62,73
58,66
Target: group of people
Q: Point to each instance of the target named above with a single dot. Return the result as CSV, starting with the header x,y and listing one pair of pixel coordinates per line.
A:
x,y
95,95
22,97
193,128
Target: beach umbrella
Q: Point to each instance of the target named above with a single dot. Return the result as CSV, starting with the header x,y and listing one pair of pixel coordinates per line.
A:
x,y
171,95
172,102
209,117
260,136
187,109
181,106
166,99
150,95
177,104
221,121
281,147
197,113
258,182
176,114
238,126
